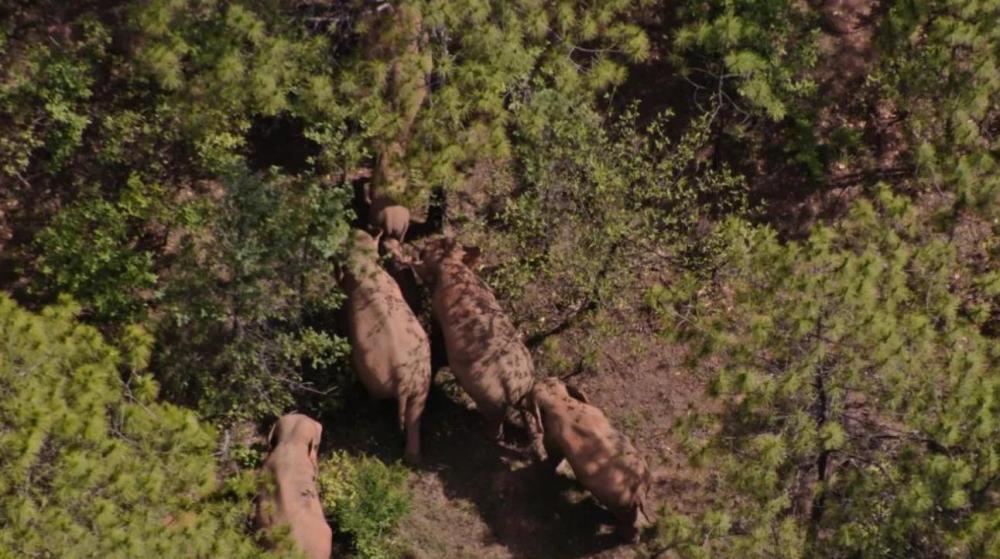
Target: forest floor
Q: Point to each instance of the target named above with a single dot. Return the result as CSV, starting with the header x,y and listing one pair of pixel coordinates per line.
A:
x,y
473,498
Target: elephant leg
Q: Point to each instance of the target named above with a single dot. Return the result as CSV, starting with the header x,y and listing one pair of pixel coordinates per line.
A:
x,y
402,233
553,457
414,410
627,526
494,427
439,351
534,431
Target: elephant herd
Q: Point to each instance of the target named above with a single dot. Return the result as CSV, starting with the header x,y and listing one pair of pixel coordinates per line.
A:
x,y
391,356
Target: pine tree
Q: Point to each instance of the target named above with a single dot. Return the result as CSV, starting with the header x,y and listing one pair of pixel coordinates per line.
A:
x,y
860,399
93,466
941,69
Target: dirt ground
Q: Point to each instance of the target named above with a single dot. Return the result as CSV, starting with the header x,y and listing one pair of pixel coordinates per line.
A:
x,y
473,498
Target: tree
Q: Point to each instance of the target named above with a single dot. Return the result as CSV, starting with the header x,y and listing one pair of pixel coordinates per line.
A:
x,y
593,199
941,70
860,411
92,465
440,91
134,123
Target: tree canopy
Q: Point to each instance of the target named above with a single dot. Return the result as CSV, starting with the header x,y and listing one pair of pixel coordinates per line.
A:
x,y
93,464
800,198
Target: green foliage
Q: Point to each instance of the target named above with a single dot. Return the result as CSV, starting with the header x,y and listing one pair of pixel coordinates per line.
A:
x,y
244,288
596,199
134,123
95,467
43,92
942,63
750,53
855,367
367,498
860,413
89,251
127,122
487,61
219,64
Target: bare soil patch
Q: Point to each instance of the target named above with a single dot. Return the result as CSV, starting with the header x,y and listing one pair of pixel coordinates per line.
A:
x,y
474,498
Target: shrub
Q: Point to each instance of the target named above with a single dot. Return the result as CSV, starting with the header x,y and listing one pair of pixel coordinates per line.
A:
x,y
859,395
235,330
91,466
596,199
367,498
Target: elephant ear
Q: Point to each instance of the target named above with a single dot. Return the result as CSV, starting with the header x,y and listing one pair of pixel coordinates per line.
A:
x,y
577,393
445,246
271,436
314,444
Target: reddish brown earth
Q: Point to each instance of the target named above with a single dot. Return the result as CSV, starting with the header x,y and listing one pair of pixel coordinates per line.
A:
x,y
474,498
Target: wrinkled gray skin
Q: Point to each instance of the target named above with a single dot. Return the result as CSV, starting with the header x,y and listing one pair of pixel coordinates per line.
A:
x,y
389,348
603,459
485,351
289,496
386,215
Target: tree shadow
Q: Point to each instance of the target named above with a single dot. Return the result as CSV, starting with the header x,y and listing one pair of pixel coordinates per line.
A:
x,y
363,424
530,511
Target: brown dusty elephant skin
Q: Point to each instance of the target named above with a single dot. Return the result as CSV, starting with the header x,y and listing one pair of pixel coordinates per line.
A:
x,y
393,219
485,351
289,496
603,459
386,215
389,348
398,264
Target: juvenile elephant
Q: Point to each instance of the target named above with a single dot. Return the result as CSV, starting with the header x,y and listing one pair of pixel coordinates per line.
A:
x,y
385,214
389,348
289,496
603,459
485,351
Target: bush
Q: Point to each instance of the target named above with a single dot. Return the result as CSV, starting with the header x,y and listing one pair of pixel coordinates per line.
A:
x,y
859,395
234,328
596,199
367,498
91,466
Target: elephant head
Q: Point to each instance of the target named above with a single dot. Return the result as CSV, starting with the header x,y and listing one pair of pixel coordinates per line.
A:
x,y
436,252
288,498
297,429
362,259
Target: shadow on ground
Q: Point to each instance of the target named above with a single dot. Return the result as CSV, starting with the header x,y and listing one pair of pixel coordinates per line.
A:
x,y
526,511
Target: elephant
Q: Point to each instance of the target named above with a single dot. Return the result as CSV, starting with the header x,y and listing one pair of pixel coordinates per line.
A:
x,y
389,348
397,264
384,214
484,349
289,496
602,458
399,39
